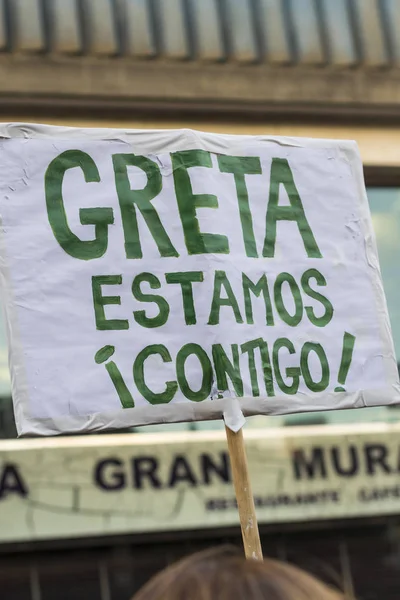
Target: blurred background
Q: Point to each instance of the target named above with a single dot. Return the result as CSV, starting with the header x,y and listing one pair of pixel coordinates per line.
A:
x,y
314,68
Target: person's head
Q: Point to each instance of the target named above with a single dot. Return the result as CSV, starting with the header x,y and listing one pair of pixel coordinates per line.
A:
x,y
224,574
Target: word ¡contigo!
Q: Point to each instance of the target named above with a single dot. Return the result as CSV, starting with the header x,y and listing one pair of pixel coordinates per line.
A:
x,y
283,298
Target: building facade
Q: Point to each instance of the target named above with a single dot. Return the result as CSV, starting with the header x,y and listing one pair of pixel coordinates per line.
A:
x,y
313,68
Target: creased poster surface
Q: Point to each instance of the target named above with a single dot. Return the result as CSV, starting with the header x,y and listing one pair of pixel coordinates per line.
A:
x,y
153,276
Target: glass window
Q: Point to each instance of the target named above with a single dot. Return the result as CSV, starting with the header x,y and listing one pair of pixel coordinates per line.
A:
x,y
385,210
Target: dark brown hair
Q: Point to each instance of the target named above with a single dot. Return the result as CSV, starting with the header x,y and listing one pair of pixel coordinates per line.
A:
x,y
224,574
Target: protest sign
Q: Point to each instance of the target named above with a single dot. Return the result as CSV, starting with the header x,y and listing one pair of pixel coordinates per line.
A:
x,y
158,276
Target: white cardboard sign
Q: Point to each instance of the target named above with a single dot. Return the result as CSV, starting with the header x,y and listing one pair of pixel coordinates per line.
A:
x,y
156,276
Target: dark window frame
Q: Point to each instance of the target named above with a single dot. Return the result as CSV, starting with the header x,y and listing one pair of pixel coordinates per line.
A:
x,y
380,176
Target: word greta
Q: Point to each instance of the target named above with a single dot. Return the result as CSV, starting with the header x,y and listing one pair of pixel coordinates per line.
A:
x,y
133,200
286,293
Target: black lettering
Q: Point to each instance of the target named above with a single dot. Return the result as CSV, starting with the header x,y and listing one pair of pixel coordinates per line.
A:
x,y
378,494
145,467
181,471
221,504
212,504
353,463
311,467
11,482
376,455
110,480
209,466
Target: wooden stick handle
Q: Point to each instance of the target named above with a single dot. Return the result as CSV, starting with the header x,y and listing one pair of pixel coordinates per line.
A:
x,y
244,495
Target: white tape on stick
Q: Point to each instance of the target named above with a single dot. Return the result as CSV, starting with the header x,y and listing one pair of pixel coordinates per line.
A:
x,y
233,416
